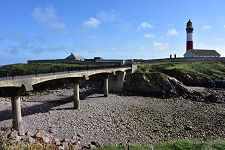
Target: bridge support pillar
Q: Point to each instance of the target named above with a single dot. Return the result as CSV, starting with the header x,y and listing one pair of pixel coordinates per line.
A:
x,y
116,81
76,96
106,86
16,111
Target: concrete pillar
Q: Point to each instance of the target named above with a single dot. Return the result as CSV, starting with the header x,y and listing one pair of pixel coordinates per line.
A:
x,y
116,82
76,96
106,86
16,111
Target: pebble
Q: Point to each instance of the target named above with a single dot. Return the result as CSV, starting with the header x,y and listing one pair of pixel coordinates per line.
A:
x,y
31,140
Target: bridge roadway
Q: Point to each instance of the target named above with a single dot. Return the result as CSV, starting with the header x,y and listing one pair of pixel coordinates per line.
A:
x,y
14,87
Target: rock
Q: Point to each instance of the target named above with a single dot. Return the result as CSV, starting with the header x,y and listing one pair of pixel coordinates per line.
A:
x,y
74,137
28,133
45,139
17,138
211,98
52,131
56,141
92,146
80,135
188,128
60,148
153,84
191,79
13,135
76,147
65,140
21,133
31,140
40,134
219,83
97,144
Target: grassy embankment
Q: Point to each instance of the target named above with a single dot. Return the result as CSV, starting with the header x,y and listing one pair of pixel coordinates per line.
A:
x,y
26,69
211,70
178,145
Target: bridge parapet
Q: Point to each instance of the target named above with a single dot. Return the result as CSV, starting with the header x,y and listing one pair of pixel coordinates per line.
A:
x,y
15,74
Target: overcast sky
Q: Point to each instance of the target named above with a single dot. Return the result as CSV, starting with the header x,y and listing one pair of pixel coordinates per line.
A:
x,y
115,29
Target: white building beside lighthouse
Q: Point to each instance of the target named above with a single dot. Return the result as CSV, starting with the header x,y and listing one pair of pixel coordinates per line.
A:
x,y
201,53
190,51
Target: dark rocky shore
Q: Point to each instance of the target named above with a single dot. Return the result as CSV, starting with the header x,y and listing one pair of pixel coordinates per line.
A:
x,y
117,119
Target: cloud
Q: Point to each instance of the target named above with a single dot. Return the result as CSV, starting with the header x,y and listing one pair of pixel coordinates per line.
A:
x,y
160,46
91,23
224,26
13,49
40,39
18,37
149,35
144,25
143,47
47,17
207,27
57,25
107,16
124,26
83,47
172,32
44,15
94,37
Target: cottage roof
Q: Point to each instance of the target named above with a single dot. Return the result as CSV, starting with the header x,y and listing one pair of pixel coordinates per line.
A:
x,y
203,52
75,57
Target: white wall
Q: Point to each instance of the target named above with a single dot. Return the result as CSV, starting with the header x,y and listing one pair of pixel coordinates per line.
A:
x,y
189,54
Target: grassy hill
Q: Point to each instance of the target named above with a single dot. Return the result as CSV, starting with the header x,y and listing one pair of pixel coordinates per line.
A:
x,y
212,70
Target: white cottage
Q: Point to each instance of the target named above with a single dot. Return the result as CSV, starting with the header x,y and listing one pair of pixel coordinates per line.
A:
x,y
201,53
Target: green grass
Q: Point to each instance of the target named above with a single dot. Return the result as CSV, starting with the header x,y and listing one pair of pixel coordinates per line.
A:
x,y
124,148
205,69
177,145
24,69
191,145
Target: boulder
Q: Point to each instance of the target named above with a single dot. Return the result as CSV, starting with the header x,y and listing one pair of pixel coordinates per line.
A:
x,y
153,84
191,79
220,83
40,134
211,98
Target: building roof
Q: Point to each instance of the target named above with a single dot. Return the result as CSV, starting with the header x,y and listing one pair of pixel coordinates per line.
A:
x,y
75,57
203,52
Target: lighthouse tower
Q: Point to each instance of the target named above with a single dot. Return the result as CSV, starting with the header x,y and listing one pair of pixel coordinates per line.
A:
x,y
189,30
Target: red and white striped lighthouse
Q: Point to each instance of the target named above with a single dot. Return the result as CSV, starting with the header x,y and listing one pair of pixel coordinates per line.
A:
x,y
189,30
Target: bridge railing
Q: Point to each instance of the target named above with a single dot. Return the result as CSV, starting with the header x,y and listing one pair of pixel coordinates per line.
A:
x,y
15,73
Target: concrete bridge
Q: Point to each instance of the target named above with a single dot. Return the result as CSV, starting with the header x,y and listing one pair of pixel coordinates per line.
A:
x,y
14,87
